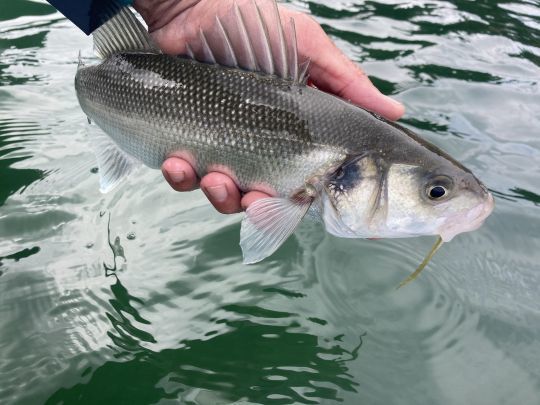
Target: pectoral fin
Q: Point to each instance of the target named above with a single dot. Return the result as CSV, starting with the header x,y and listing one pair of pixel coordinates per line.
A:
x,y
267,224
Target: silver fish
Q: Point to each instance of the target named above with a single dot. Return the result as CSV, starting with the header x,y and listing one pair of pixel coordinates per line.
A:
x,y
361,175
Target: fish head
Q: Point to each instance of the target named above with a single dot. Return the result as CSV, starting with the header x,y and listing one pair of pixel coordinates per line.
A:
x,y
369,196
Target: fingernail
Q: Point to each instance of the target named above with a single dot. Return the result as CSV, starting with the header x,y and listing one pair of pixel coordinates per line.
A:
x,y
218,193
393,101
177,177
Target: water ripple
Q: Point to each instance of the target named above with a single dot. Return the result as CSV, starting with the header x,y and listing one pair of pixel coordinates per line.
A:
x,y
172,315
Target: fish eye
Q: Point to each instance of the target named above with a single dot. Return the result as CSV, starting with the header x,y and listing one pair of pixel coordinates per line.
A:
x,y
439,188
436,192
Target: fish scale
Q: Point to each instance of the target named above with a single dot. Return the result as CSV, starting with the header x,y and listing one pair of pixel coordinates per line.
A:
x,y
257,126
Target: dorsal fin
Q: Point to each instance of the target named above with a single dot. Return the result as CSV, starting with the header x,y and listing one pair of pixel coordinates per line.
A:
x,y
252,37
122,32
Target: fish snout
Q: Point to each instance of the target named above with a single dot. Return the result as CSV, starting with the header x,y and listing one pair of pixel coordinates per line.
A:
x,y
467,221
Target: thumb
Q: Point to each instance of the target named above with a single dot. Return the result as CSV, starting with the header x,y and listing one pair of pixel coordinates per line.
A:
x,y
348,81
332,71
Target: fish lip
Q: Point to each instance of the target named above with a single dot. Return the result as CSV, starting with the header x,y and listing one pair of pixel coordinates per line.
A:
x,y
475,218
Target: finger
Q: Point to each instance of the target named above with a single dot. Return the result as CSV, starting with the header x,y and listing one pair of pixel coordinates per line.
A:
x,y
179,174
349,82
251,197
222,192
332,71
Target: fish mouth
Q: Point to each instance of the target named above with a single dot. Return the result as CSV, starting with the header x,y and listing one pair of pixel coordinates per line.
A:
x,y
467,222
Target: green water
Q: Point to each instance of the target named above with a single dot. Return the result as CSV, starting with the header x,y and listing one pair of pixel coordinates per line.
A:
x,y
139,296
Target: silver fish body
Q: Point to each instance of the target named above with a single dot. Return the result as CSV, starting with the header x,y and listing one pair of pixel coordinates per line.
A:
x,y
265,131
362,175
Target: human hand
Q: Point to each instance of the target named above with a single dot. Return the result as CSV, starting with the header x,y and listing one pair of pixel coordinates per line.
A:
x,y
174,23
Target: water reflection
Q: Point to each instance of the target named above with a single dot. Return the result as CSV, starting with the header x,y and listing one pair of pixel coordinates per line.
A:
x,y
247,353
22,254
125,336
13,136
25,7
182,319
18,51
428,74
252,361
519,194
461,16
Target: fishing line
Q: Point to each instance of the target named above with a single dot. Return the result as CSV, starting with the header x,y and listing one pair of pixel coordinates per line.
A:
x,y
424,263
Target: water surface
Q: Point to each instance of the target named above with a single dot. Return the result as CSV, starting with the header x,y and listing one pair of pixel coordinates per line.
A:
x,y
139,296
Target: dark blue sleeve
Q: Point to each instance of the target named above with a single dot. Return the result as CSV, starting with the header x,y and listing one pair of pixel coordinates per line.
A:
x,y
88,14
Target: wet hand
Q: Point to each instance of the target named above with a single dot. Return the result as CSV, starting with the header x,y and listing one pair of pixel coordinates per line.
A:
x,y
173,22
218,187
